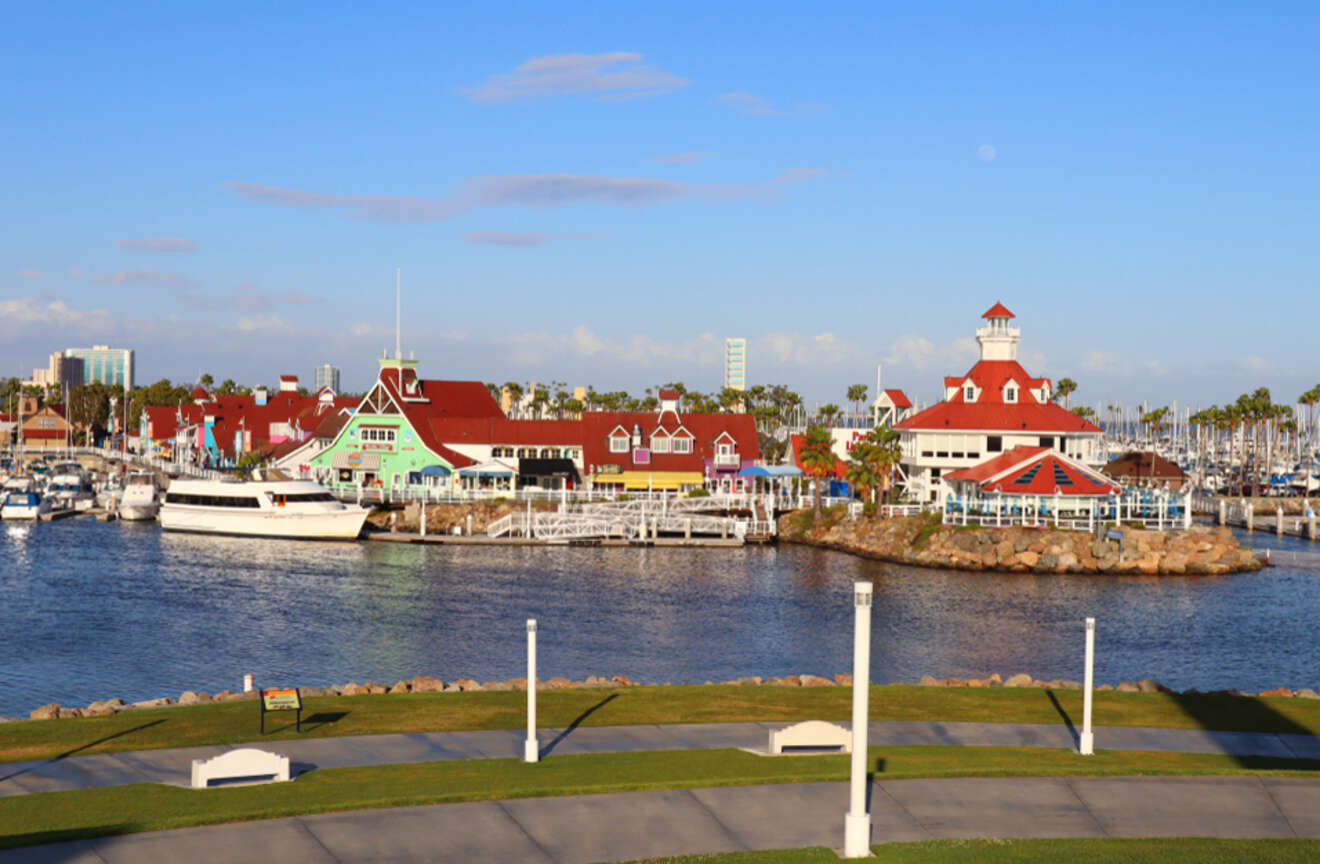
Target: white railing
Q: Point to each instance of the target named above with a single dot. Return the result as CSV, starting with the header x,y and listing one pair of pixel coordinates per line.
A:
x,y
1151,511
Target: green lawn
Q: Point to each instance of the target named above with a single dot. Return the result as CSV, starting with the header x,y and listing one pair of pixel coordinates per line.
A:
x,y
53,816
1179,850
235,722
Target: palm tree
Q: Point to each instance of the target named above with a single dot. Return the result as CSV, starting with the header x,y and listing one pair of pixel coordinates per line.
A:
x,y
828,412
860,471
515,391
206,382
1063,389
818,458
1309,398
857,395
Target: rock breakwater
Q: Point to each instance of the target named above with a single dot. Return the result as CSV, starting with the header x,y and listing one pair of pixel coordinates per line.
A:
x,y
922,541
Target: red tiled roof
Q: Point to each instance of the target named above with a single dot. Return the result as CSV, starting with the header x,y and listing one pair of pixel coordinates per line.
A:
x,y
899,398
797,441
199,393
288,377
1137,464
704,428
668,394
999,310
437,400
501,430
1035,471
989,411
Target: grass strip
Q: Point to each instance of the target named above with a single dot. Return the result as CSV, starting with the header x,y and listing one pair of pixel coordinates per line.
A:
x,y
1180,850
236,722
55,816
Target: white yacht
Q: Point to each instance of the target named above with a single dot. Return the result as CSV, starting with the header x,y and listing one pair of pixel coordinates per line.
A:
x,y
70,489
296,509
21,500
138,502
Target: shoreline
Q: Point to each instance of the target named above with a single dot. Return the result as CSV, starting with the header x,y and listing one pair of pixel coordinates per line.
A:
x,y
922,541
429,684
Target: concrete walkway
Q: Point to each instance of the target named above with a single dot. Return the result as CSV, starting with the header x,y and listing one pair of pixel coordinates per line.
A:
x,y
174,766
625,826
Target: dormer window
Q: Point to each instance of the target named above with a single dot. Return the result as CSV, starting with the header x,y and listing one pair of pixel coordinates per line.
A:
x,y
682,445
618,443
659,444
1010,393
969,393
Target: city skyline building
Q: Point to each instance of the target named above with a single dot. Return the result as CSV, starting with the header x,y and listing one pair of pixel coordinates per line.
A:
x,y
326,376
111,366
735,363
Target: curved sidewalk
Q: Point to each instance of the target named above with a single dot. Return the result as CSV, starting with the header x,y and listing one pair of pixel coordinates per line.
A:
x,y
174,766
625,826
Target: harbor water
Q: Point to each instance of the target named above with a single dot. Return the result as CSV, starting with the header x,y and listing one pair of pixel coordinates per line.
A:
x,y
92,610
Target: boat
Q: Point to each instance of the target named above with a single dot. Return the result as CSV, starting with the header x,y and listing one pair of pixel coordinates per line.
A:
x,y
138,502
294,509
24,504
70,489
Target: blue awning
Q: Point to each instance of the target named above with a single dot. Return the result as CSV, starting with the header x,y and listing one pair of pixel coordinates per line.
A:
x,y
434,471
777,471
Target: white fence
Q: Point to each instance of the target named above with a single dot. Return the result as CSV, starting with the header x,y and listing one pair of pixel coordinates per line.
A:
x,y
1155,511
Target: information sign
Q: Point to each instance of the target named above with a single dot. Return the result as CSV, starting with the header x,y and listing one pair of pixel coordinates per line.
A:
x,y
1113,534
283,699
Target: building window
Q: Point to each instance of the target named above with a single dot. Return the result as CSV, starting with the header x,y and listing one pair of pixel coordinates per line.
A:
x,y
1010,394
619,444
1046,441
527,452
969,394
549,452
378,434
724,449
682,445
994,444
659,444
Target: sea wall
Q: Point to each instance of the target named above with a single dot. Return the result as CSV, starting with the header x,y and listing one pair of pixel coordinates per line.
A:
x,y
924,542
443,518
428,684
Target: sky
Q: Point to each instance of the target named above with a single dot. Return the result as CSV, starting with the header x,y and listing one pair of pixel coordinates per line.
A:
x,y
601,195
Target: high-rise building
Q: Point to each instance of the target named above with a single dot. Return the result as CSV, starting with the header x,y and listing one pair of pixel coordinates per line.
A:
x,y
735,363
111,366
65,370
327,376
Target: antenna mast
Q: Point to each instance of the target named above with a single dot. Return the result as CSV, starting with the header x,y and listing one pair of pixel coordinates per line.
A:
x,y
398,316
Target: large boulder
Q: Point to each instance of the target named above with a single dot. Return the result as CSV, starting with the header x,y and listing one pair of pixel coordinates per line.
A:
x,y
192,697
45,712
426,684
815,681
162,702
1019,680
1150,685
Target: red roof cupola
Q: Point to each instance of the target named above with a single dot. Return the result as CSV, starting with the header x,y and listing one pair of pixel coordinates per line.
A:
x,y
999,310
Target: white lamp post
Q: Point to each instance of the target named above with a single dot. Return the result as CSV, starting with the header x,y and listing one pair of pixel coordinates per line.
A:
x,y
857,823
1086,744
531,749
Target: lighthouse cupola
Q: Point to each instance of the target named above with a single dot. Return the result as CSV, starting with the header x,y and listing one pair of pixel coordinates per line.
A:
x,y
998,340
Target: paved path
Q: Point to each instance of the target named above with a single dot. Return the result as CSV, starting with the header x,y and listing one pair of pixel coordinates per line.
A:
x,y
174,766
625,826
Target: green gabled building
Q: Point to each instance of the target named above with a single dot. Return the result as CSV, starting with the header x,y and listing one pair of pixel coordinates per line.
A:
x,y
390,442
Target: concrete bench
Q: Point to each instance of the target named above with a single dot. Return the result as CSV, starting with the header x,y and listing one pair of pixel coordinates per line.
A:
x,y
812,735
246,764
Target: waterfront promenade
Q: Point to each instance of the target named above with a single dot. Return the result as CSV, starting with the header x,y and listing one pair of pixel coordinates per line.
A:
x,y
630,825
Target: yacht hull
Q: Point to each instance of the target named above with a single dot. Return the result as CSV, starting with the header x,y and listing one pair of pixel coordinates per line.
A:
x,y
338,525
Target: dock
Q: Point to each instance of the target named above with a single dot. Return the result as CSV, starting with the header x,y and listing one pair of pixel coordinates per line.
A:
x,y
59,514
481,540
1237,514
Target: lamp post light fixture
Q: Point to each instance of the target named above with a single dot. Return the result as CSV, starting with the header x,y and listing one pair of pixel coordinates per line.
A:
x,y
531,749
857,823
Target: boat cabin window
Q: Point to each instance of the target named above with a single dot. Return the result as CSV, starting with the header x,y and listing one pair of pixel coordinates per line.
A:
x,y
279,499
246,501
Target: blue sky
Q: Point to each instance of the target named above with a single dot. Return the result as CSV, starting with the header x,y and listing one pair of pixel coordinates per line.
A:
x,y
602,196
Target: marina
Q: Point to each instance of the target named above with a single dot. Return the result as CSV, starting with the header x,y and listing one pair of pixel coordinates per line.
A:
x,y
100,609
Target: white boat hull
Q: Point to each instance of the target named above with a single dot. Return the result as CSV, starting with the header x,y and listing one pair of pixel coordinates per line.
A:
x,y
139,512
337,525
29,513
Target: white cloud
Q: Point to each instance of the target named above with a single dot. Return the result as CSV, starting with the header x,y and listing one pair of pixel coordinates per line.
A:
x,y
822,349
613,76
521,190
30,273
759,106
249,324
521,238
156,244
1254,363
680,158
130,277
913,351
17,317
986,153
1120,364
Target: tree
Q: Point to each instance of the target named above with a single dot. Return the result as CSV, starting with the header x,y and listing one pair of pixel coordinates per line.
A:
x,y
818,460
1086,412
515,391
1063,389
227,387
492,388
857,395
828,412
1309,398
206,382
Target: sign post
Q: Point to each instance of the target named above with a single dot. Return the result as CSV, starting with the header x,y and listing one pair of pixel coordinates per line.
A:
x,y
1086,744
286,699
857,823
531,748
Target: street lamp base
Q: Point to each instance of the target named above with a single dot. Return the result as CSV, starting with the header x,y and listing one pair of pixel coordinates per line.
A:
x,y
531,750
1086,744
857,835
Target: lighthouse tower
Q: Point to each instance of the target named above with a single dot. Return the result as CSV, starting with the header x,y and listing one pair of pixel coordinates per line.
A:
x,y
997,339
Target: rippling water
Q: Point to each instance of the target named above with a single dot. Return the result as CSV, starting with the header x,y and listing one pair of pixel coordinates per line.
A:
x,y
91,610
